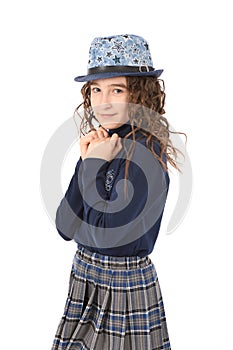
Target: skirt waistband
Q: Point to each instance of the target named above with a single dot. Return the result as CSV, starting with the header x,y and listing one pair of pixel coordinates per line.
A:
x,y
112,262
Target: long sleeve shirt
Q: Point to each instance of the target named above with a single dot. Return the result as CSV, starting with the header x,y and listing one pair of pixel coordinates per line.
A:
x,y
108,214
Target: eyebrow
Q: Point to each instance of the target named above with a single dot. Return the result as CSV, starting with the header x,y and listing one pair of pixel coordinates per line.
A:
x,y
117,85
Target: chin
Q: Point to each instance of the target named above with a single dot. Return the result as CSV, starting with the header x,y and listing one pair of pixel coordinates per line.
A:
x,y
111,125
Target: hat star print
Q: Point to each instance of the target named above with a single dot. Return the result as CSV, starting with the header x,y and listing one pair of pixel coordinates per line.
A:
x,y
119,55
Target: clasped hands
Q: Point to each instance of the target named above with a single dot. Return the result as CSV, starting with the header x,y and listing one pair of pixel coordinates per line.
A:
x,y
98,144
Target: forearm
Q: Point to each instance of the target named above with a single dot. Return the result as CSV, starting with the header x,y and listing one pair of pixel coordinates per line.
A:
x,y
70,211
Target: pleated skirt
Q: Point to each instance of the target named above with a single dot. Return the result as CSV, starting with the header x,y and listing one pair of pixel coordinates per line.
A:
x,y
113,303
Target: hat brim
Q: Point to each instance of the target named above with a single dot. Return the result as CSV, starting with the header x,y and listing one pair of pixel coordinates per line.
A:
x,y
105,75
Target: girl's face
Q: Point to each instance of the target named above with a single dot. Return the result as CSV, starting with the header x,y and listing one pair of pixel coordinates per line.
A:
x,y
109,99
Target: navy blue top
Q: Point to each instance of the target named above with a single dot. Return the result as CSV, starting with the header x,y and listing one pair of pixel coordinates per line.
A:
x,y
110,215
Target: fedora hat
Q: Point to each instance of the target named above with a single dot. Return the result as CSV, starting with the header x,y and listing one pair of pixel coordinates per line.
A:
x,y
119,55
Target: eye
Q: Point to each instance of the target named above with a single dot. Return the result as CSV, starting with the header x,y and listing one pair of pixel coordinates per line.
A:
x,y
117,91
95,89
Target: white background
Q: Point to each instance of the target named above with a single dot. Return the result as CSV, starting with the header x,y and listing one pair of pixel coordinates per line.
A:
x,y
44,45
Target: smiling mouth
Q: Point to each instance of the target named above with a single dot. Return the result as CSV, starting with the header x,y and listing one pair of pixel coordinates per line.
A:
x,y
107,115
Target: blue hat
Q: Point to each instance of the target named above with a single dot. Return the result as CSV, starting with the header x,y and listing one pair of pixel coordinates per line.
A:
x,y
119,55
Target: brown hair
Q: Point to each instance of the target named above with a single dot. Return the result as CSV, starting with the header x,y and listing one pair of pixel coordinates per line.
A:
x,y
146,114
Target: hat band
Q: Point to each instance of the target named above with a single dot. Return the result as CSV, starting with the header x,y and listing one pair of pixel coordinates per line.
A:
x,y
119,69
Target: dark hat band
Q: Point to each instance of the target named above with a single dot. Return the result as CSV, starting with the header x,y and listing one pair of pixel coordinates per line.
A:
x,y
119,69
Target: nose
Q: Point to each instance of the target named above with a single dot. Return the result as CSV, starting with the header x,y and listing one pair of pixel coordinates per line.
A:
x,y
105,100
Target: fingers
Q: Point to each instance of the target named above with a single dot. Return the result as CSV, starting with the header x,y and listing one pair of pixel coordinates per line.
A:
x,y
85,142
106,148
102,132
98,142
114,139
115,142
94,134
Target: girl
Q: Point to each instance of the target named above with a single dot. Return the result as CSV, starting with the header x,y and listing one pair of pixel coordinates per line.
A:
x,y
114,204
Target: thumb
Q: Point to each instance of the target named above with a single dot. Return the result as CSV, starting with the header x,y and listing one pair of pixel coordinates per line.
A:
x,y
114,138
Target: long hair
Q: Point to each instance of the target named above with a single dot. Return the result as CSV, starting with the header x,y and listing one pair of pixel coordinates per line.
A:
x,y
146,114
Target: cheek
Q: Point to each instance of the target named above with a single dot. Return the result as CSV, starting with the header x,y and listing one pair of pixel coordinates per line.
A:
x,y
92,99
95,99
125,107
123,111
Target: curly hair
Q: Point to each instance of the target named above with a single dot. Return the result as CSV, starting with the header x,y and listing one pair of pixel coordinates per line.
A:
x,y
146,114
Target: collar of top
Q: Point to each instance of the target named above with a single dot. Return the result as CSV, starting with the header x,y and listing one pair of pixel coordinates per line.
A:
x,y
122,131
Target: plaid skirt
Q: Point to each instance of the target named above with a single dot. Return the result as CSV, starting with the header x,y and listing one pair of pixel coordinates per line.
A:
x,y
114,303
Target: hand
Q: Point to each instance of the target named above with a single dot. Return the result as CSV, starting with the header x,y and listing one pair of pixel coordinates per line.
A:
x,y
87,139
104,147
